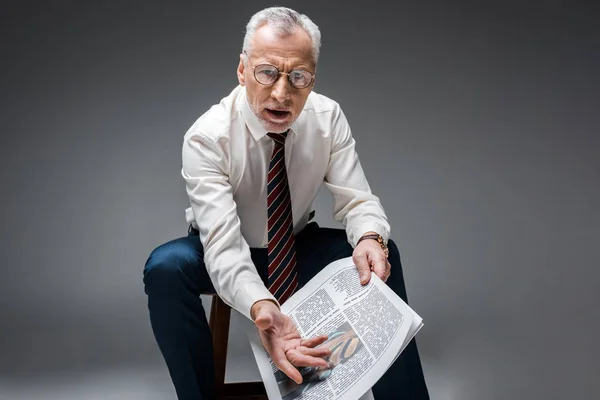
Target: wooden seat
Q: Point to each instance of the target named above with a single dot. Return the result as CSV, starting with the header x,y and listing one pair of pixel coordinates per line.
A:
x,y
220,314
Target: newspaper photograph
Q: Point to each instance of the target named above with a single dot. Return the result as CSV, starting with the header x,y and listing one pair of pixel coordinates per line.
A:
x,y
367,328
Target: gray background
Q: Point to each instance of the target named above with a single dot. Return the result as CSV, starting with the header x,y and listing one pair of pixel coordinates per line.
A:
x,y
477,124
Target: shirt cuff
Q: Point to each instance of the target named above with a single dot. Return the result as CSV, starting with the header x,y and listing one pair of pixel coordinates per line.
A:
x,y
250,293
355,233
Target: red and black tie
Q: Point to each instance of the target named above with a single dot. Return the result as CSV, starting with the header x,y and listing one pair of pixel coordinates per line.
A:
x,y
283,279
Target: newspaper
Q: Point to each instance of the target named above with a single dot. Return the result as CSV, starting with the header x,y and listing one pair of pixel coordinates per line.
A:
x,y
367,327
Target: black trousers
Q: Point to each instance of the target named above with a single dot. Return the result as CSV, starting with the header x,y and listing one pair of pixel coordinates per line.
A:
x,y
175,276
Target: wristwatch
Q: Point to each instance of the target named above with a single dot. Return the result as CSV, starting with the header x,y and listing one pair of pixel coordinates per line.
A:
x,y
379,240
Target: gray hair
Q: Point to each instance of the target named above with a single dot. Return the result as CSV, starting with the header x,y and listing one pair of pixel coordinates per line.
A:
x,y
284,20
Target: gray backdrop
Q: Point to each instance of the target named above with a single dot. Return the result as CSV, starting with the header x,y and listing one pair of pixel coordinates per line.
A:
x,y
477,124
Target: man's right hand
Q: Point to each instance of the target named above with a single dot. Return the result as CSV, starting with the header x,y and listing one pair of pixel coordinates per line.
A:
x,y
281,339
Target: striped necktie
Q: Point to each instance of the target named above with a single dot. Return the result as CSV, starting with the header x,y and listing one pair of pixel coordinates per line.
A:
x,y
283,279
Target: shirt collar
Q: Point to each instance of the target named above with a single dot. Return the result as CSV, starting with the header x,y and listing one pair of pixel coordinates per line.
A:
x,y
257,130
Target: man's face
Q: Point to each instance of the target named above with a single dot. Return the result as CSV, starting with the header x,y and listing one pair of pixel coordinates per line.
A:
x,y
278,105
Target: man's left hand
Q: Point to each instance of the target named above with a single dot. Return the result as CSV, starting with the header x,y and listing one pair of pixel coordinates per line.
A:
x,y
369,256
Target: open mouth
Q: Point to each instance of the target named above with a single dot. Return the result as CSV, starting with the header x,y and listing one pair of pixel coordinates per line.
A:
x,y
277,114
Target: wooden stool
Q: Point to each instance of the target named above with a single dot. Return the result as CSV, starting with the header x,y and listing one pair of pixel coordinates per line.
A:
x,y
219,325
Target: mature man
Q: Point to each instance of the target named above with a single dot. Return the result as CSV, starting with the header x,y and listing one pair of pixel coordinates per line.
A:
x,y
253,165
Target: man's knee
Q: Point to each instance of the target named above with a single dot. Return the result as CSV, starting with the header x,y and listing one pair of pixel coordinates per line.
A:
x,y
394,253
164,268
396,279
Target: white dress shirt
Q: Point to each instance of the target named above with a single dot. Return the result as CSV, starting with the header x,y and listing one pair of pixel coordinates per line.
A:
x,y
225,158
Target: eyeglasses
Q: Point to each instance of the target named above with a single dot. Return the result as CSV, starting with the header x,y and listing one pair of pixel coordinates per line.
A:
x,y
267,74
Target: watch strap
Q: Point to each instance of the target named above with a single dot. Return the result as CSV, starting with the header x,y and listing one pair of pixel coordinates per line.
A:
x,y
376,237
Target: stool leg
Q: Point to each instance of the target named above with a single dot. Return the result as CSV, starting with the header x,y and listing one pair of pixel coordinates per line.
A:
x,y
219,326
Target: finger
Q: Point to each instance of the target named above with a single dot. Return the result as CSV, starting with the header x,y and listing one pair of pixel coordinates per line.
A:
x,y
379,265
314,341
263,321
298,359
362,264
281,361
314,352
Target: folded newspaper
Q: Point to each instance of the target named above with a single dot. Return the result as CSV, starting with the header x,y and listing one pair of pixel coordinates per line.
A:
x,y
367,327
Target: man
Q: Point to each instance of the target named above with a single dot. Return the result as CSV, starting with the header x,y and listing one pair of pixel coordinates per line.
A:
x,y
253,165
